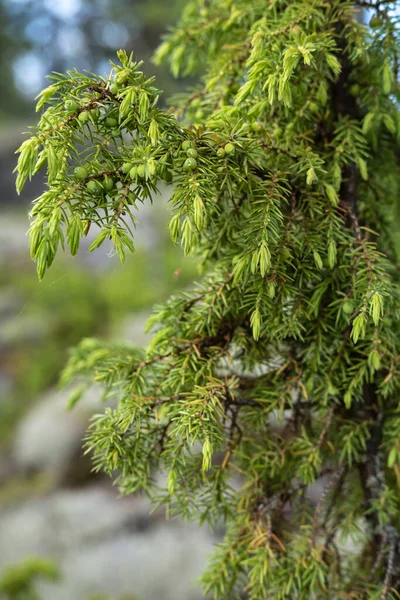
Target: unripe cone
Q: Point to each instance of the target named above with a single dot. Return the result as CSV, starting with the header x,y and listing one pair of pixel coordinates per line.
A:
x,y
95,114
190,164
93,186
108,183
187,144
375,22
80,173
348,307
71,105
83,117
111,122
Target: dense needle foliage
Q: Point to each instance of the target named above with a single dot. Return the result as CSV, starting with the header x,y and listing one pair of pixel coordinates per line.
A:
x,y
278,373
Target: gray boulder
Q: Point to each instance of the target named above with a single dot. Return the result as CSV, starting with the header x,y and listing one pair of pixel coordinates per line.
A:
x,y
49,438
106,545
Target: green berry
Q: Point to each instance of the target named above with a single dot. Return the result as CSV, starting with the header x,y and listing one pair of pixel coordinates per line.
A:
x,y
133,172
108,183
187,144
80,173
94,114
229,148
348,307
192,153
116,132
256,126
131,199
93,187
355,90
199,114
71,105
114,88
111,122
83,117
220,152
375,22
190,164
126,167
167,176
141,170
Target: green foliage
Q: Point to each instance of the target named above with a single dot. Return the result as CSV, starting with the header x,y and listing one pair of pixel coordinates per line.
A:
x,y
280,368
17,582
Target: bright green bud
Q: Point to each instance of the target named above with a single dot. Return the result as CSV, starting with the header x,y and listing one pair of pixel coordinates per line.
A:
x,y
318,260
153,132
141,170
192,153
229,148
126,167
220,152
271,291
152,166
133,172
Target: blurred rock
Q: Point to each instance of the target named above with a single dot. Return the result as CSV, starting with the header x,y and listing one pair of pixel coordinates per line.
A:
x,y
132,329
13,240
106,545
49,438
10,302
23,328
6,386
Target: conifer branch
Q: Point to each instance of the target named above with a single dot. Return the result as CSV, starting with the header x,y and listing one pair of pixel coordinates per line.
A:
x,y
281,366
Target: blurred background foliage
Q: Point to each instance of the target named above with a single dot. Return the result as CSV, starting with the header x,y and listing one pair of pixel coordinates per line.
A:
x,y
41,36
51,506
39,322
